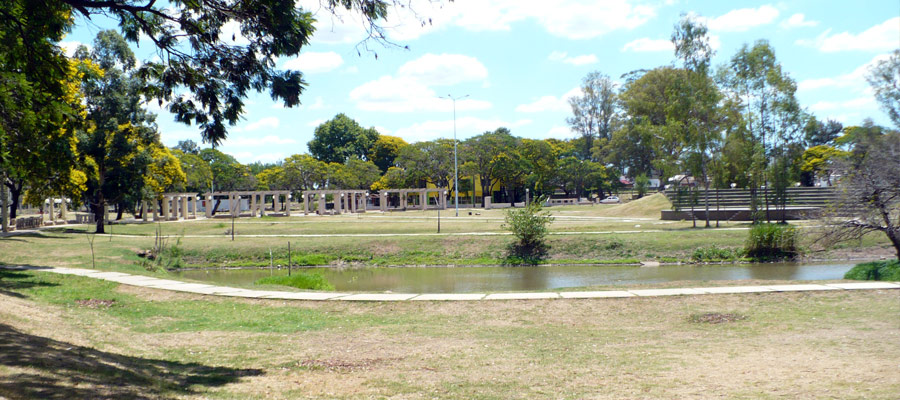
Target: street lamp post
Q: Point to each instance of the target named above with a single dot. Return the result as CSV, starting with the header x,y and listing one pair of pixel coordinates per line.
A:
x,y
455,162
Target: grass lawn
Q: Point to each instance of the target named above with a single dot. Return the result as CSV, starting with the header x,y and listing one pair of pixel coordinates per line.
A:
x,y
75,337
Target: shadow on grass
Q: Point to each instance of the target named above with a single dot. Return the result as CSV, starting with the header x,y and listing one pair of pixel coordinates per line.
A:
x,y
12,280
51,369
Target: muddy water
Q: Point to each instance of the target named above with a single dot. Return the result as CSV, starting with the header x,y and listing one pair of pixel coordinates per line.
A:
x,y
496,279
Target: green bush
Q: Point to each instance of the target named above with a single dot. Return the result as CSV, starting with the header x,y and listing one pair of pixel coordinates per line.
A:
x,y
875,271
769,242
709,254
529,227
300,280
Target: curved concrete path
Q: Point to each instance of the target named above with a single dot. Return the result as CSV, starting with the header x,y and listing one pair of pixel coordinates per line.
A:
x,y
199,288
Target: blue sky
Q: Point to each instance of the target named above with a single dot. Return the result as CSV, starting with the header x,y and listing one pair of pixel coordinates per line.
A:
x,y
518,60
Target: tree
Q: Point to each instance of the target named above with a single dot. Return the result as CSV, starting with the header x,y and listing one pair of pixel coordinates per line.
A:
x,y
653,139
593,111
817,160
303,172
817,133
771,113
340,139
118,145
355,174
430,161
699,103
869,187
394,178
227,173
38,133
40,100
884,77
198,175
385,151
188,147
481,151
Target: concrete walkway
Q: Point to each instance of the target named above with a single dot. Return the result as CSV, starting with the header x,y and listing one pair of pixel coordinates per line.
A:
x,y
199,288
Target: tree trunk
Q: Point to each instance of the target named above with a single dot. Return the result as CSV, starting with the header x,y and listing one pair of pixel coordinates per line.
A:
x,y
4,207
894,235
16,194
119,209
99,213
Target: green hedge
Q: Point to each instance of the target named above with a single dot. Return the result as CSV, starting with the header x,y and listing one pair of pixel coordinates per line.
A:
x,y
768,242
875,271
300,280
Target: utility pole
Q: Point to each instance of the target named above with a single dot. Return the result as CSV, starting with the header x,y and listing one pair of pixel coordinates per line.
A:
x,y
455,162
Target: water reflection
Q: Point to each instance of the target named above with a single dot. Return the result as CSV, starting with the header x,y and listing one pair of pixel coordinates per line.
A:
x,y
495,279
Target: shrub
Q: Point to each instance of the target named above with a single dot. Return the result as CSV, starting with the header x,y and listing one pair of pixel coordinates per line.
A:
x,y
875,271
529,227
772,242
706,254
300,280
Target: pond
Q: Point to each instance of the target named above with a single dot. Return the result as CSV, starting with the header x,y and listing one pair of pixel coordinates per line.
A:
x,y
477,279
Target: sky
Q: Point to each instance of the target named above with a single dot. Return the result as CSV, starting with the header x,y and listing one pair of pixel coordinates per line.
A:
x,y
517,61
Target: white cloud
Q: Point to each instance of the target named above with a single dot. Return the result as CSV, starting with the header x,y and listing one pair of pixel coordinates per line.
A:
x,y
240,142
313,62
382,130
881,37
390,94
443,69
69,47
798,21
742,19
231,34
171,138
562,56
865,102
559,132
466,127
649,45
550,103
855,79
315,123
410,89
267,122
351,70
571,19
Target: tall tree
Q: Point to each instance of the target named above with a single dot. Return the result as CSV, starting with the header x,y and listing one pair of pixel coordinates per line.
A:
x,y
702,97
118,145
884,77
755,78
593,111
340,139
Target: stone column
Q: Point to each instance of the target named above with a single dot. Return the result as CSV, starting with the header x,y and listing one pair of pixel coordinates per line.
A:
x,y
253,205
487,202
382,200
184,207
155,209
52,211
321,210
196,206
208,204
64,210
276,201
305,203
403,199
144,210
106,214
165,208
287,205
423,198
